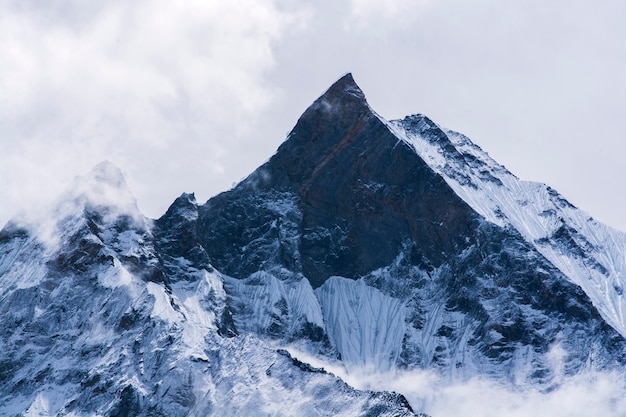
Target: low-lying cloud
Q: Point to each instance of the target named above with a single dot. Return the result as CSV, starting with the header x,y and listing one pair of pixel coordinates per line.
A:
x,y
590,393
593,394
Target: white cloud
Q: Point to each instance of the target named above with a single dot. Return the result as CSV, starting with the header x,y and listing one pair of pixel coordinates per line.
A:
x,y
145,54
584,395
400,11
82,82
587,394
193,96
590,393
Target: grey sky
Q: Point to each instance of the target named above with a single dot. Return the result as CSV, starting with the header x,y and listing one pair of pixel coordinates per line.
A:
x,y
193,97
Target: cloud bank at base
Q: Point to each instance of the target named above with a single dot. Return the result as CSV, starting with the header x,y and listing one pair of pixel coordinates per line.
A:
x,y
586,394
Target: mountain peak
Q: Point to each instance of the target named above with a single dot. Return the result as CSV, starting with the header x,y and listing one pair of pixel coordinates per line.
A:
x,y
103,186
329,126
107,173
350,174
345,86
343,96
184,207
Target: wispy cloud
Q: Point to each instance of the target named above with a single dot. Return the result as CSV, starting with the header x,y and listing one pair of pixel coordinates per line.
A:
x,y
83,82
590,393
367,12
192,96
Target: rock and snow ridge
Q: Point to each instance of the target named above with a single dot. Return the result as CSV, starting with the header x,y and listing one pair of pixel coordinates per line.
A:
x,y
114,318
591,254
374,245
354,199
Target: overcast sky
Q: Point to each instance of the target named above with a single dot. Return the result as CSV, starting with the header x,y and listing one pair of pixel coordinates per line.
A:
x,y
192,96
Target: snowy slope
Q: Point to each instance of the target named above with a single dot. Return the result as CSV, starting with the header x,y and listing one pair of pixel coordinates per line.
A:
x,y
267,304
390,224
365,325
591,254
95,324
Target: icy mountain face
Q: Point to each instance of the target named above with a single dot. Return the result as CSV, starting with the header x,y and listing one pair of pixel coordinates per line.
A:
x,y
107,313
372,244
405,239
589,253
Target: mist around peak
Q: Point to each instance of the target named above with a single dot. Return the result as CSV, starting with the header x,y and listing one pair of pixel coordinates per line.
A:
x,y
103,192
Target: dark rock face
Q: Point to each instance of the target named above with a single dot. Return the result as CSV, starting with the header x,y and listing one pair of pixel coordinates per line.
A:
x,y
344,196
511,300
357,192
176,237
246,232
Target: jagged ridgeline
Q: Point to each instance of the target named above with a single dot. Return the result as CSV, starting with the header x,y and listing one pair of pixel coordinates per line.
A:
x,y
369,244
420,251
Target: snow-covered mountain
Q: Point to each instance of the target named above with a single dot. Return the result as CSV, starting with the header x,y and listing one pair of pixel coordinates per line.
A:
x,y
368,244
420,251
102,316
